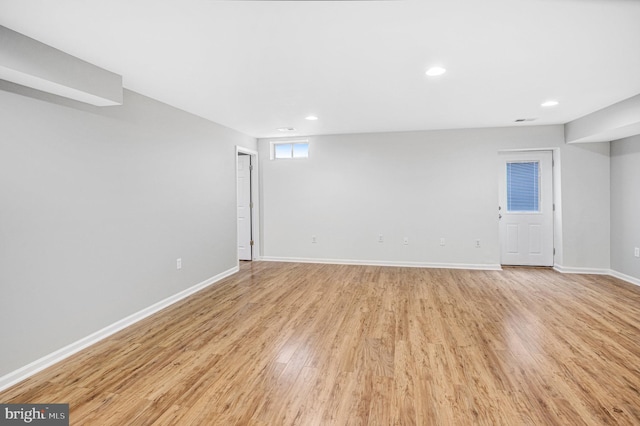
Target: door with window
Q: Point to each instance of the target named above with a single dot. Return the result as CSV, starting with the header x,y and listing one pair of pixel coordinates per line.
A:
x,y
526,208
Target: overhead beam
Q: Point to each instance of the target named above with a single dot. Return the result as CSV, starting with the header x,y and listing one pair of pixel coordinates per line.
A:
x,y
617,121
30,63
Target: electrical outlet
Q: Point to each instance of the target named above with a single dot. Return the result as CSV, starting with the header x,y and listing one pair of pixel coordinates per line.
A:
x,y
380,239
441,241
636,252
477,243
406,241
179,263
314,240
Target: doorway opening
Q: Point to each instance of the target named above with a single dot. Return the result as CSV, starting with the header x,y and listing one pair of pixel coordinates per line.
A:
x,y
247,204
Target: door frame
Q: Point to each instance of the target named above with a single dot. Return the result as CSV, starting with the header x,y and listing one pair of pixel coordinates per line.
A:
x,y
256,252
557,199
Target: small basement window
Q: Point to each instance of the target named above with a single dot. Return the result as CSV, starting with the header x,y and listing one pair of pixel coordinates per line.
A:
x,y
289,149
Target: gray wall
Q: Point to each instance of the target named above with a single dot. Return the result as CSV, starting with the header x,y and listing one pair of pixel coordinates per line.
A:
x,y
96,206
585,205
424,185
625,205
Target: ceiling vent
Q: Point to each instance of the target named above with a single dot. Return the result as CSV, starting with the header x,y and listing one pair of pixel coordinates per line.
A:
x,y
520,120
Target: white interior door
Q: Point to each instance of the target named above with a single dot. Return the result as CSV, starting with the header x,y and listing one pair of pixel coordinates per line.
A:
x,y
244,207
526,208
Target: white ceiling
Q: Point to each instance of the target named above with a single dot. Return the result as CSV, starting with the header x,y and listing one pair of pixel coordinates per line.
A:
x,y
359,66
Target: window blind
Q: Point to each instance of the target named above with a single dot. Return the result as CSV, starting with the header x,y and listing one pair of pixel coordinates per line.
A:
x,y
523,187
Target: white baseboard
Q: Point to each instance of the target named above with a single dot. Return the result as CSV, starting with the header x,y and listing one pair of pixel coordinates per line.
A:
x,y
624,277
28,370
574,270
481,266
594,271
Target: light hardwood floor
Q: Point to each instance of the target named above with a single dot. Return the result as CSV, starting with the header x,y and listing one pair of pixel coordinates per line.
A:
x,y
283,343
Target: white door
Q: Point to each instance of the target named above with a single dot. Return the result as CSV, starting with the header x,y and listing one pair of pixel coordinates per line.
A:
x,y
244,207
526,208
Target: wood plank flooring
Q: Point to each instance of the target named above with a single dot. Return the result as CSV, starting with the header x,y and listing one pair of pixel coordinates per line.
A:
x,y
304,344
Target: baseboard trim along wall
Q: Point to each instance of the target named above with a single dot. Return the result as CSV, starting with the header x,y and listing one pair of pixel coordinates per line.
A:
x,y
485,267
588,271
624,277
595,271
28,370
481,266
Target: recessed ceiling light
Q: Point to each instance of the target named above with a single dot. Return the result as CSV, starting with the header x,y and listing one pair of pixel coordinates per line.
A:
x,y
435,71
311,118
286,129
549,103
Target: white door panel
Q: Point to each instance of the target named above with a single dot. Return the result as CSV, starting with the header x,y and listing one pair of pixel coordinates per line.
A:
x,y
512,238
535,239
526,208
